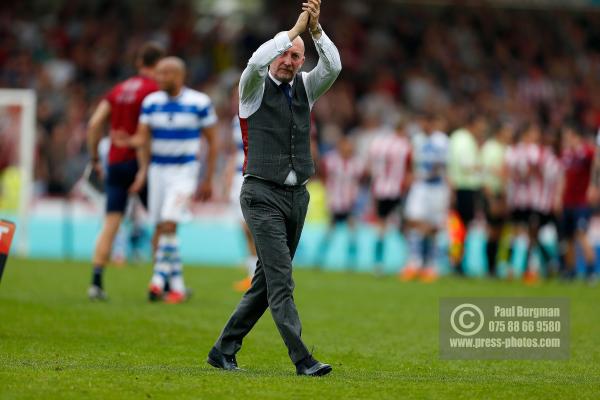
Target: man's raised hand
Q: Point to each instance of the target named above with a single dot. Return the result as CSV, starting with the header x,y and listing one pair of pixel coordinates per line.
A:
x,y
300,26
313,7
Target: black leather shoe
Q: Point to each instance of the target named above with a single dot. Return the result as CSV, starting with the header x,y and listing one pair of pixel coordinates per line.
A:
x,y
222,361
311,367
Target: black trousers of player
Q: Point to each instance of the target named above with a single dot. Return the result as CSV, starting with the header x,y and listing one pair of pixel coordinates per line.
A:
x,y
275,215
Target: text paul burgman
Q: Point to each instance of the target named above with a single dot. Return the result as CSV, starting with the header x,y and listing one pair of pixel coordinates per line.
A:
x,y
527,312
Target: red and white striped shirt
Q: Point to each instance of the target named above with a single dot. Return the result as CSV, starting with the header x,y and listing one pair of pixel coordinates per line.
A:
x,y
342,177
524,165
389,160
551,175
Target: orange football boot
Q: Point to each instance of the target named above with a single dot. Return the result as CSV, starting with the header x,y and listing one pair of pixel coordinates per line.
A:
x,y
243,285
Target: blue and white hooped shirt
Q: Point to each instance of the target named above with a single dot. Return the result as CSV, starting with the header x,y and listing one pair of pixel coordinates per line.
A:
x,y
176,125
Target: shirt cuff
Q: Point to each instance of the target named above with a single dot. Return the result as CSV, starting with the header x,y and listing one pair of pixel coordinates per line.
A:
x,y
282,42
319,41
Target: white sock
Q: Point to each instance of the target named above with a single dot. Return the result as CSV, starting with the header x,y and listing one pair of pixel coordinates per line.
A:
x,y
177,283
176,276
162,264
160,275
415,245
251,265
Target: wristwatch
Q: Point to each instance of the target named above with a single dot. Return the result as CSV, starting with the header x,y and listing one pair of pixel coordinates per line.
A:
x,y
317,31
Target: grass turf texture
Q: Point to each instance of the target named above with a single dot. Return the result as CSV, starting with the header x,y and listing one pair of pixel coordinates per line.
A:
x,y
380,335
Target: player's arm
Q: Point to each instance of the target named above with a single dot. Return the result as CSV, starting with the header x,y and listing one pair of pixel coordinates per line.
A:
x,y
208,125
210,134
143,158
329,66
593,193
141,137
252,81
230,167
95,132
408,176
558,197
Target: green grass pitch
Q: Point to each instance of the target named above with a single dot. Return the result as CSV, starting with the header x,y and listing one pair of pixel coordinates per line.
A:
x,y
380,335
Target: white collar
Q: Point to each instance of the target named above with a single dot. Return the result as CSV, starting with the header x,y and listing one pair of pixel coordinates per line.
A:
x,y
278,82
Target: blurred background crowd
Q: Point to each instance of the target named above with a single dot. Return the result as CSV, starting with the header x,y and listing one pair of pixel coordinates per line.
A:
x,y
402,61
516,64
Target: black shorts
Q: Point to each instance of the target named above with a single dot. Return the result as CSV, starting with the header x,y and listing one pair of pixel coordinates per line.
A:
x,y
467,203
545,218
522,216
385,207
495,210
340,217
574,220
119,177
532,218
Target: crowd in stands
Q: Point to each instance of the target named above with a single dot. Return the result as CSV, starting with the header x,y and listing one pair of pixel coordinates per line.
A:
x,y
520,65
404,66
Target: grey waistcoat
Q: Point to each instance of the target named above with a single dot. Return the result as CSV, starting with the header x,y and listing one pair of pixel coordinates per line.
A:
x,y
278,137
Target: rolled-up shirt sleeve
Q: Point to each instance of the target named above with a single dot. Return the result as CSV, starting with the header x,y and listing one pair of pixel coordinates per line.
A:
x,y
329,66
252,81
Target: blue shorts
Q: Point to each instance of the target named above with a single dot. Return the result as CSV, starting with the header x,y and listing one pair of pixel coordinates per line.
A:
x,y
575,220
119,177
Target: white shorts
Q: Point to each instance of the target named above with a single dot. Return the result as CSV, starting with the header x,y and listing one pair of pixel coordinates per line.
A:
x,y
170,191
234,194
428,203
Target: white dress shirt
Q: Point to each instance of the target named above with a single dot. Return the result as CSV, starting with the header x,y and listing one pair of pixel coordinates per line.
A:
x,y
316,82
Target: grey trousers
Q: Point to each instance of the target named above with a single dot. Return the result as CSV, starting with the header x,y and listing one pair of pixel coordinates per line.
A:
x,y
275,215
